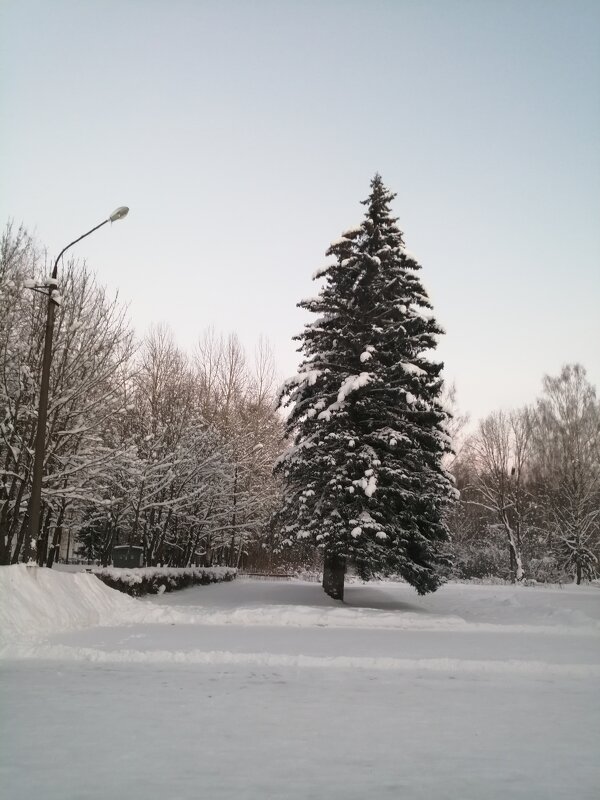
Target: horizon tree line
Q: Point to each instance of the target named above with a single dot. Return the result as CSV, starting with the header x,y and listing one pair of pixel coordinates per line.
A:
x,y
174,452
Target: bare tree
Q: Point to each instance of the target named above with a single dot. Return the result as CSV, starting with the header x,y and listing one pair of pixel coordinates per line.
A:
x,y
500,453
567,450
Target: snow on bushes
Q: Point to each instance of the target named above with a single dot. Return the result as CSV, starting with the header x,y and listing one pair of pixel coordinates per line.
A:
x,y
155,580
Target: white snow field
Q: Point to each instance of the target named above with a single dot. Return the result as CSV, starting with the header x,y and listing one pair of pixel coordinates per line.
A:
x,y
269,689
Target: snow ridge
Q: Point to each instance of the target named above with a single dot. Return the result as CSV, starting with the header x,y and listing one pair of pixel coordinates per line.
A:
x,y
380,663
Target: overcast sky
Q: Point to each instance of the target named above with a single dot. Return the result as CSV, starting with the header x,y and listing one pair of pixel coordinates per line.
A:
x,y
243,136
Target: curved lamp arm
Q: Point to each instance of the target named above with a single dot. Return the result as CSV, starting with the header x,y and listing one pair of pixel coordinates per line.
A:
x,y
119,213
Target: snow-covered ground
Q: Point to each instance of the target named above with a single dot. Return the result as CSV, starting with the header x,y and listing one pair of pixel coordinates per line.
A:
x,y
269,689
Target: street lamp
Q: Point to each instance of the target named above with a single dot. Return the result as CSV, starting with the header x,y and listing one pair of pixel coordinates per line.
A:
x,y
51,289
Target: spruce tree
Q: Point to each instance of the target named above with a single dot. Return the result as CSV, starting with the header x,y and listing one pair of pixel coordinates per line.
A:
x,y
363,479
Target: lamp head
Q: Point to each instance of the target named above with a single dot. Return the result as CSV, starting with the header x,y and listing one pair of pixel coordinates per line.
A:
x,y
119,213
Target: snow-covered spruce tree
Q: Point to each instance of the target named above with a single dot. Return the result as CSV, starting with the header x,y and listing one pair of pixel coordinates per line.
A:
x,y
364,478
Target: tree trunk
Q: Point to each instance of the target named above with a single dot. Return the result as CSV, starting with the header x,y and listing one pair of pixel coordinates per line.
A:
x,y
20,541
6,534
42,547
516,559
54,551
107,545
334,569
5,545
55,548
513,563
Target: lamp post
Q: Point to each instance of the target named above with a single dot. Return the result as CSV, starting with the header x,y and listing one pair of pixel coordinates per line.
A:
x,y
40,438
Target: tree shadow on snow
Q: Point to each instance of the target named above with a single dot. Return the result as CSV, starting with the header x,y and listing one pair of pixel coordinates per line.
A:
x,y
379,598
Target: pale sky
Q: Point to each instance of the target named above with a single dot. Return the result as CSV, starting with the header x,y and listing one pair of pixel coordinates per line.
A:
x,y
243,136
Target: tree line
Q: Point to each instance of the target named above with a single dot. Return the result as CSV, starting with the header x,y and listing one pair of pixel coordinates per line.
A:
x,y
529,483
145,445
371,467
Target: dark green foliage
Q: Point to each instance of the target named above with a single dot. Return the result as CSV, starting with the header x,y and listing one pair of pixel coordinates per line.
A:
x,y
363,479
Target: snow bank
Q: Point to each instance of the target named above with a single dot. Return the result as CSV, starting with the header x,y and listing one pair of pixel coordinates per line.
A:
x,y
36,602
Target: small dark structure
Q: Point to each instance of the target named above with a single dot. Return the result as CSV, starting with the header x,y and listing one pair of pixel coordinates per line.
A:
x,y
127,555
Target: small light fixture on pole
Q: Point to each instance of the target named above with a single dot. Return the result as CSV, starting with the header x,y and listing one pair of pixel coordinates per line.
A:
x,y
118,213
51,289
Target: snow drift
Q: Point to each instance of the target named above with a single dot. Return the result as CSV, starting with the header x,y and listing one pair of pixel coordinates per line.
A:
x,y
36,602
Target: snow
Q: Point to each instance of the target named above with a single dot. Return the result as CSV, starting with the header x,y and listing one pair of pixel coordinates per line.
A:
x,y
310,376
368,484
256,689
410,254
351,384
412,369
321,271
36,602
370,490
